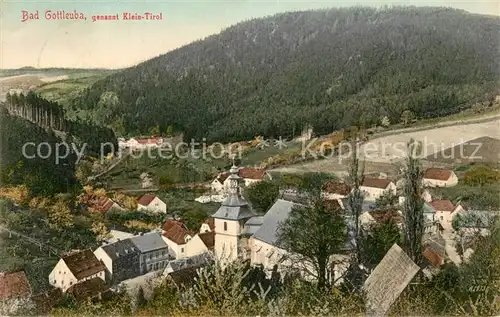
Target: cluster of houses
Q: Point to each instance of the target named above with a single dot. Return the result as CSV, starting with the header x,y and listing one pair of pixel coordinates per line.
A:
x,y
235,232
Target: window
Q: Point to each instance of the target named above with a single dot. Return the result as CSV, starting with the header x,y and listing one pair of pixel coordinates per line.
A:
x,y
225,226
59,272
150,267
70,283
182,250
441,217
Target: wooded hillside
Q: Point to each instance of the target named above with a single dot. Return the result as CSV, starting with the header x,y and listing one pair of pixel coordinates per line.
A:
x,y
330,68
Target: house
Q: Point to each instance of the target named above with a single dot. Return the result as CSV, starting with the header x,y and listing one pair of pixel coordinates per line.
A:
x,y
249,176
151,203
184,277
472,222
95,288
122,260
141,143
117,235
201,243
154,252
380,216
176,235
439,177
208,225
105,204
14,285
445,211
75,268
373,188
434,251
429,213
336,190
199,260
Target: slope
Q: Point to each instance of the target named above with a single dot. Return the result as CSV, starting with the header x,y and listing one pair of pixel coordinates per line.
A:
x,y
330,68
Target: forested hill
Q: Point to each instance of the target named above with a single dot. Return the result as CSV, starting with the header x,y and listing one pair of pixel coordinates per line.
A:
x,y
331,68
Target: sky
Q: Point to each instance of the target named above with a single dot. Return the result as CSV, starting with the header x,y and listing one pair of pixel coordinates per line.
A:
x,y
116,44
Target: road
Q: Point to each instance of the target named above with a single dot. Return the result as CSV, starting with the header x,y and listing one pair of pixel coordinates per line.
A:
x,y
450,247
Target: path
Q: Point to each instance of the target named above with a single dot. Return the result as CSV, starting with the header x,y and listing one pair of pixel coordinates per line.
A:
x,y
450,248
41,245
118,159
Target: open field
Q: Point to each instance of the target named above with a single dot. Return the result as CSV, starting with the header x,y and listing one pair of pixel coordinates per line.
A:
x,y
384,152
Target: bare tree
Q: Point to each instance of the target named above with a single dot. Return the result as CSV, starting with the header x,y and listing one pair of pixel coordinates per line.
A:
x,y
413,203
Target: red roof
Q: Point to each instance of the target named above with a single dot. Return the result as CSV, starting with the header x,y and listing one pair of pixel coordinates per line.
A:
x,y
177,234
376,182
103,205
433,257
222,177
13,285
442,205
438,173
333,205
251,173
208,239
169,223
336,187
387,214
148,141
146,199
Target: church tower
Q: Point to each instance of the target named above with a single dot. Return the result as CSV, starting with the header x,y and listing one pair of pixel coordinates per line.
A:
x,y
230,220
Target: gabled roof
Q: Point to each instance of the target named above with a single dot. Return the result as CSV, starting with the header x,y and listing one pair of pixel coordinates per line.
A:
x,y
149,242
211,223
386,214
184,277
169,223
376,182
14,285
83,264
208,238
88,288
146,199
438,174
442,205
223,176
177,233
433,257
251,173
428,208
278,213
193,261
336,187
120,248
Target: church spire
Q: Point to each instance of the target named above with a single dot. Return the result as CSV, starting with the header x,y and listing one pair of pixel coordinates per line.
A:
x,y
234,180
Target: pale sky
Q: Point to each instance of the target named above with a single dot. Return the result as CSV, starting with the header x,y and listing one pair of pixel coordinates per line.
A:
x,y
116,44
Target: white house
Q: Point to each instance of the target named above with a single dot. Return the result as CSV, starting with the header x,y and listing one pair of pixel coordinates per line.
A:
x,y
445,211
439,177
336,190
373,188
249,176
176,236
429,213
200,243
75,268
208,225
151,203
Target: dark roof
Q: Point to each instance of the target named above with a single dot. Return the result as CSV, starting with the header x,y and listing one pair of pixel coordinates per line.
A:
x,y
149,242
208,239
184,277
387,214
14,284
120,248
437,173
234,208
376,182
442,205
223,176
278,213
193,261
333,205
83,264
88,288
44,302
146,199
336,187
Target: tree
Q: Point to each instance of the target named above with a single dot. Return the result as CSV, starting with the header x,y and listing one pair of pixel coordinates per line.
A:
x,y
169,131
377,241
262,195
413,204
60,217
406,117
193,218
355,199
313,232
100,230
386,199
480,176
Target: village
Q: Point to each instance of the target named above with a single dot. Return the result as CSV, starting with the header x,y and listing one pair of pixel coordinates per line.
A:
x,y
236,232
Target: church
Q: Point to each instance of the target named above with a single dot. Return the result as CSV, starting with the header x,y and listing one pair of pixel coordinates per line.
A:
x,y
241,234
